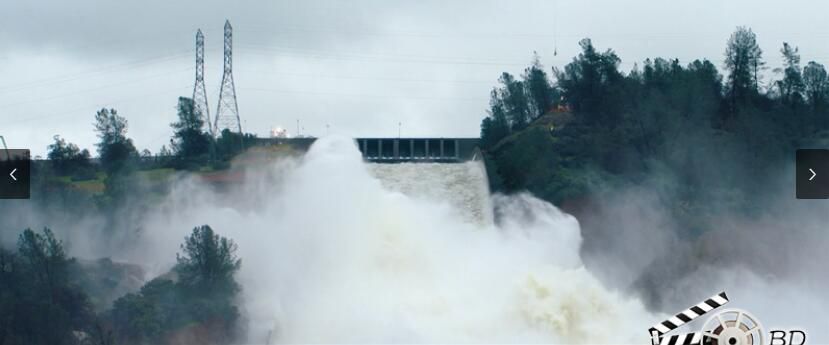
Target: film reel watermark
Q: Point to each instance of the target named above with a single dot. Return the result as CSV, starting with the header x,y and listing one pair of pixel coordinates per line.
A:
x,y
726,327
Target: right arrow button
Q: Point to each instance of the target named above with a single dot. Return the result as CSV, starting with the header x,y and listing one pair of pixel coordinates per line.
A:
x,y
810,165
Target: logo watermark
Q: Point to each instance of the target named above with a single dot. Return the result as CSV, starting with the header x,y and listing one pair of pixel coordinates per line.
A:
x,y
726,327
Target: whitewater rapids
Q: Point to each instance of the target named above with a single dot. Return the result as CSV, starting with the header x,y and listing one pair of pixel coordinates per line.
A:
x,y
335,250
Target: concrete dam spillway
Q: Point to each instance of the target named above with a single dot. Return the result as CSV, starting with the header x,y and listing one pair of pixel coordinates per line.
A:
x,y
463,187
395,150
418,149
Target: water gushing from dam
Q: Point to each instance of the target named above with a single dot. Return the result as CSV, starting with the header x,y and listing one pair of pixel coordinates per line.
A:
x,y
463,187
341,251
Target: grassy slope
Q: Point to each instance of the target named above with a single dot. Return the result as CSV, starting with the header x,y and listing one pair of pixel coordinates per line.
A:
x,y
255,157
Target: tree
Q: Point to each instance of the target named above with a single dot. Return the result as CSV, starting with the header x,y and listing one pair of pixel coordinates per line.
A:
x,y
208,262
791,86
164,151
704,92
228,144
816,85
140,317
495,126
743,60
61,150
189,141
117,154
515,101
9,296
67,157
46,305
204,294
541,93
45,257
114,148
590,84
487,138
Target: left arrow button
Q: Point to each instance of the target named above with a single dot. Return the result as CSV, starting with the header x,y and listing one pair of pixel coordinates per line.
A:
x,y
16,165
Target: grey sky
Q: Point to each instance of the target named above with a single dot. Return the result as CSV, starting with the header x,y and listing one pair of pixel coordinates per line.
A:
x,y
359,66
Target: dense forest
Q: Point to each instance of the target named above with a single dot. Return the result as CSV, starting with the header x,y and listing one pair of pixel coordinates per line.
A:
x,y
705,140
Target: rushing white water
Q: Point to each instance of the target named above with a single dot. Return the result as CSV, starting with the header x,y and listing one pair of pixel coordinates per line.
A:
x,y
340,251
463,186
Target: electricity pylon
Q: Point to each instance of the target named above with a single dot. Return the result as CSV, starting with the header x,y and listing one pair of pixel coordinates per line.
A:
x,y
199,92
227,114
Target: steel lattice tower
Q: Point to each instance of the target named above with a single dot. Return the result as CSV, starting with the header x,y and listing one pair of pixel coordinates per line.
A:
x,y
199,92
227,114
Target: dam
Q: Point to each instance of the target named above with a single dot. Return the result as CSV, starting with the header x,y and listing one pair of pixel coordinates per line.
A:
x,y
418,149
396,150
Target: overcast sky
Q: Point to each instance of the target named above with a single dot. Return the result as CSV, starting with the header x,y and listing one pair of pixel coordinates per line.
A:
x,y
360,67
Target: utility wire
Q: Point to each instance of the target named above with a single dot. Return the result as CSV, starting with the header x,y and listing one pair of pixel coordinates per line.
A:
x,y
93,107
95,71
384,97
79,92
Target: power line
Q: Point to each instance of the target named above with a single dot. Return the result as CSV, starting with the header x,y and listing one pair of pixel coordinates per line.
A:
x,y
374,57
298,30
322,54
405,80
97,106
96,71
102,87
627,60
312,53
375,96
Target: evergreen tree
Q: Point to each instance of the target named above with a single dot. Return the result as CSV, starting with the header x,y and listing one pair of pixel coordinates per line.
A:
x,y
743,60
816,86
189,141
791,86
114,148
40,303
591,84
515,101
203,294
67,157
208,262
541,93
495,126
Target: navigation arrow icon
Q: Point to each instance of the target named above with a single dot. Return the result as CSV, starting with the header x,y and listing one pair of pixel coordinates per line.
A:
x,y
15,177
808,164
